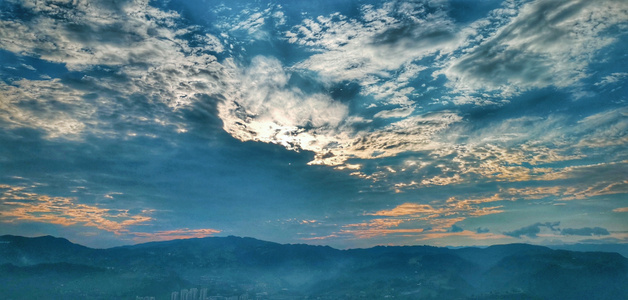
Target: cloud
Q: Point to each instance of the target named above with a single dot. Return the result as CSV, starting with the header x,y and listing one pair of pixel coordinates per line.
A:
x,y
585,231
523,149
415,133
129,54
394,113
414,218
597,189
455,228
57,109
377,227
83,34
378,49
451,207
384,39
621,209
167,235
529,51
407,209
470,236
612,79
533,230
253,21
482,230
19,205
605,129
260,105
128,68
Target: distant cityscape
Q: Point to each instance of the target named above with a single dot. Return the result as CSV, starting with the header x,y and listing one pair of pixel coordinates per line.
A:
x,y
203,294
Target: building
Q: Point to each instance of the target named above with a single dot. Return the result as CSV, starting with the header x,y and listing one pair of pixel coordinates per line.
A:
x,y
193,294
184,295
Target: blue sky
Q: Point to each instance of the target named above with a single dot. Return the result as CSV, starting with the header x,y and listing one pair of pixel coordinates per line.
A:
x,y
344,123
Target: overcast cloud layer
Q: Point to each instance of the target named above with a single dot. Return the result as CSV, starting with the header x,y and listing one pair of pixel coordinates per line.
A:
x,y
348,123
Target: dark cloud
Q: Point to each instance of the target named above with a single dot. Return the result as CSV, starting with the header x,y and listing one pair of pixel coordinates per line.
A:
x,y
482,230
455,228
532,230
585,231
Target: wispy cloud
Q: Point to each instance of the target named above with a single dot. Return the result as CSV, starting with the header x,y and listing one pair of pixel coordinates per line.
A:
x,y
407,209
377,227
612,79
184,233
529,51
20,205
254,20
422,220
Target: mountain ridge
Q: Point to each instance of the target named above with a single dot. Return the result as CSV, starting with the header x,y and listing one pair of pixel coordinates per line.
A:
x,y
298,271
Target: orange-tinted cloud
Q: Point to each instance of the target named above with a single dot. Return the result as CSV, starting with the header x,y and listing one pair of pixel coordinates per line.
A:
x,y
406,209
20,205
438,218
377,227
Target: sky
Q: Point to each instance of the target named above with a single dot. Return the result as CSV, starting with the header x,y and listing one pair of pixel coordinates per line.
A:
x,y
346,123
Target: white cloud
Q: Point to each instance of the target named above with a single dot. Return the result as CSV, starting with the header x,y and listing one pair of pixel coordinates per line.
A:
x,y
611,79
252,20
371,49
82,34
394,113
604,129
49,105
140,43
260,106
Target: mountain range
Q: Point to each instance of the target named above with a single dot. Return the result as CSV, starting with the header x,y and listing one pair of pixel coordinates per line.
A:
x,y
54,268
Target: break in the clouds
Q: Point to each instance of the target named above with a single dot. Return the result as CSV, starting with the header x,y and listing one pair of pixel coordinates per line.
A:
x,y
396,122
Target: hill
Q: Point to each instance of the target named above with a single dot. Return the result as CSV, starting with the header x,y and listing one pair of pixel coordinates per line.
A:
x,y
49,267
